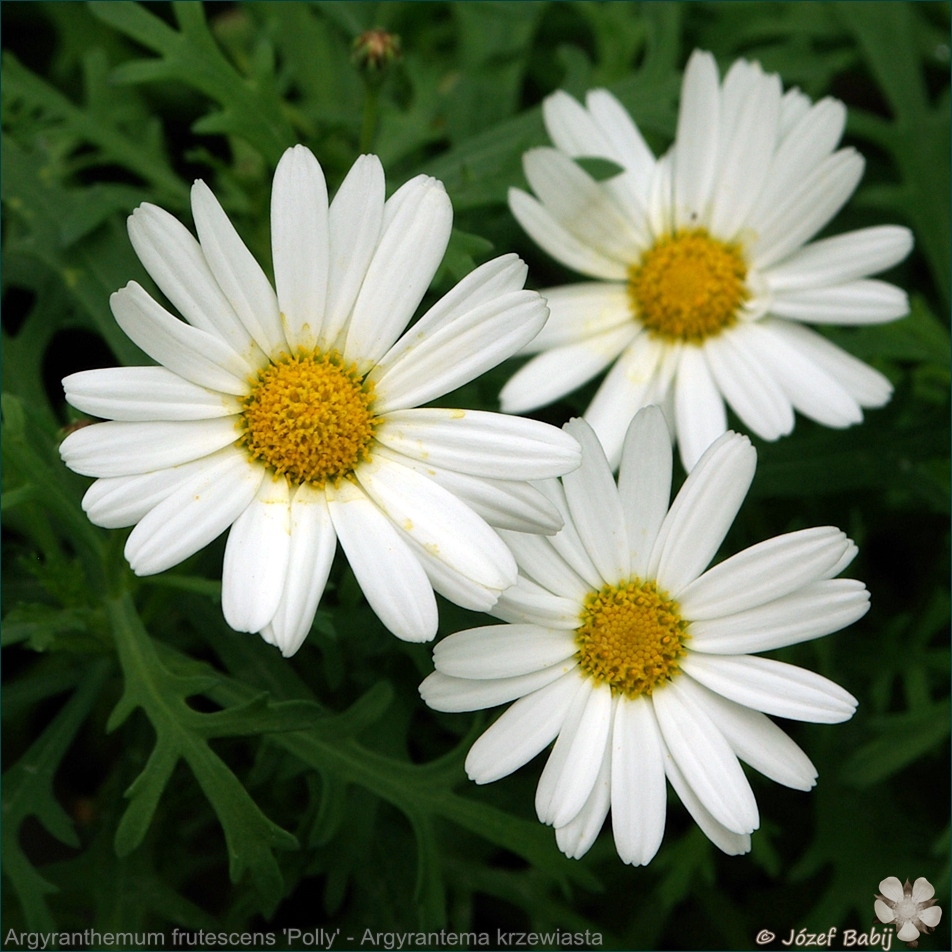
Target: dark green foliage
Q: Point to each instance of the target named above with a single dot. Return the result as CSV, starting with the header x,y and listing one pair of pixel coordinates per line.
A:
x,y
161,771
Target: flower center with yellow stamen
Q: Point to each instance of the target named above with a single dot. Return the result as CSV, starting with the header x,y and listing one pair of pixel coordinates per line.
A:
x,y
688,286
309,418
631,637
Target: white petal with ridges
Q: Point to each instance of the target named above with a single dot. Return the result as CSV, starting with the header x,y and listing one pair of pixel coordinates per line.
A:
x,y
866,301
313,543
763,572
438,521
126,449
578,312
755,738
299,244
256,558
811,612
354,221
552,236
702,512
773,687
576,837
698,407
644,484
538,559
238,274
705,758
573,766
596,510
922,890
136,394
502,651
529,603
416,228
193,354
480,443
196,513
892,889
521,732
175,261
637,781
391,578
443,693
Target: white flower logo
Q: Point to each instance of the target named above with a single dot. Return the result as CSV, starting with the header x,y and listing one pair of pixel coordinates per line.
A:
x,y
910,907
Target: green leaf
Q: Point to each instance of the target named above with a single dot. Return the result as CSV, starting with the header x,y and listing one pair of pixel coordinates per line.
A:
x,y
28,791
182,734
251,108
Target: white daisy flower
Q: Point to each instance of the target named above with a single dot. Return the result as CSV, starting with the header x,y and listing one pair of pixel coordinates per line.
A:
x,y
706,284
289,415
633,656
910,906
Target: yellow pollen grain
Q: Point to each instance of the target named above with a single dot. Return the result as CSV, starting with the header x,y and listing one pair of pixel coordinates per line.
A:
x,y
631,637
309,418
688,286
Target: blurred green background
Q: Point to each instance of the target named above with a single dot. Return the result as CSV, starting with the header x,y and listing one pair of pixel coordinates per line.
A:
x,y
233,789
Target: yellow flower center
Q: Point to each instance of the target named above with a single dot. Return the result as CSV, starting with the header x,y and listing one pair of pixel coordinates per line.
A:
x,y
309,418
689,286
631,637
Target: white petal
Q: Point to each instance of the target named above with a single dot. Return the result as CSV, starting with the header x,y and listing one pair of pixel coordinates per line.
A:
x,y
450,584
595,507
922,890
126,449
809,204
416,227
892,889
930,916
705,758
773,687
811,612
391,578
637,782
237,273
443,693
883,912
576,837
354,221
581,205
702,513
175,261
191,353
566,542
628,147
908,933
521,732
299,244
526,602
763,572
119,501
438,521
644,484
866,301
696,143
553,237
573,766
428,362
746,152
579,312
698,407
868,387
256,558
809,141
480,443
724,839
755,738
502,651
197,512
751,391
807,385
841,258
313,542
538,559
503,503
557,372
136,394
640,377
